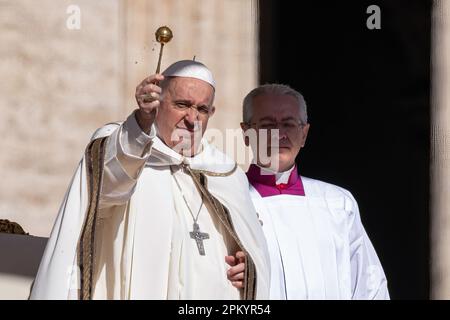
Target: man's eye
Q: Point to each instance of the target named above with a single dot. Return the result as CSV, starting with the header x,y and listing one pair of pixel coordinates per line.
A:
x,y
268,125
203,110
181,105
289,125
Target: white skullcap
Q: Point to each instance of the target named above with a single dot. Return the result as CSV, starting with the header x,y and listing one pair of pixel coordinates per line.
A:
x,y
190,69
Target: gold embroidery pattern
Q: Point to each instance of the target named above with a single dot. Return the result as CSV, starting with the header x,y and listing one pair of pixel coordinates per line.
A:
x,y
94,163
216,174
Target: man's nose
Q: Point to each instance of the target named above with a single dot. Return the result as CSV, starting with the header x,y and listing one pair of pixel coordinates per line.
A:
x,y
192,115
279,133
282,133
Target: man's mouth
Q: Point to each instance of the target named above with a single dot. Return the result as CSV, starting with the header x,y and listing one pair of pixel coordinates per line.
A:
x,y
281,148
191,130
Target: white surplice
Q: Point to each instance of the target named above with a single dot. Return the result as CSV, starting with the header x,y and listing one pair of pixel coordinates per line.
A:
x,y
142,244
318,246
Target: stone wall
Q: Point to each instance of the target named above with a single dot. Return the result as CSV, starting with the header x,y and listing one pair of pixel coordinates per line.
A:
x,y
59,85
440,156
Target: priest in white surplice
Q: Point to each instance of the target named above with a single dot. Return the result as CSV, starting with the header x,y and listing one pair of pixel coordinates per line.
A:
x,y
152,212
318,246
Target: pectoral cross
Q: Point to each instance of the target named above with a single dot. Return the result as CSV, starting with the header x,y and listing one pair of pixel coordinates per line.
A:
x,y
199,236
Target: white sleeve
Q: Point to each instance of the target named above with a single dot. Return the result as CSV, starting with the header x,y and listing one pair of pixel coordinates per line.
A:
x,y
127,150
367,276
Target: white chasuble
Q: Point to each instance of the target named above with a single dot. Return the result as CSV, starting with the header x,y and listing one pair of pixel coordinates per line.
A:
x,y
191,275
128,238
318,246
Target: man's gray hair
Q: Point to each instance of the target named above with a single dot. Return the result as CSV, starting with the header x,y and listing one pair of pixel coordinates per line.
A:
x,y
276,89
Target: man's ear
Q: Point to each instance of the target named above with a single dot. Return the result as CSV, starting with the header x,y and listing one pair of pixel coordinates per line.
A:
x,y
244,128
211,112
305,131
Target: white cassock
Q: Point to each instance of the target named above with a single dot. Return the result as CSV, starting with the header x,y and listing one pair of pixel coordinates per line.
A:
x,y
318,246
142,248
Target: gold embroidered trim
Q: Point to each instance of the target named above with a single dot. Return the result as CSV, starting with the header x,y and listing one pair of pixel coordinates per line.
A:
x,y
94,163
216,174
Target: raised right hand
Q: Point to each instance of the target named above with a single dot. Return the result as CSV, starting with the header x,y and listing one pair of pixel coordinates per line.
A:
x,y
148,98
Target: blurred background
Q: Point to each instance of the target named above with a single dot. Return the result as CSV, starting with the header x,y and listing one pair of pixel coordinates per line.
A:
x,y
378,104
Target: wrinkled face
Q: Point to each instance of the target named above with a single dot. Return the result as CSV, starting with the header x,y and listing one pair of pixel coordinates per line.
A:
x,y
184,113
276,116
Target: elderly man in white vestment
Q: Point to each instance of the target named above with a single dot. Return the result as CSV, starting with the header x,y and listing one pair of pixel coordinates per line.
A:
x,y
153,209
318,246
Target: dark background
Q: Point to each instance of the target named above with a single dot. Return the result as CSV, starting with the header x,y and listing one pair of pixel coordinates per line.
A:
x,y
368,94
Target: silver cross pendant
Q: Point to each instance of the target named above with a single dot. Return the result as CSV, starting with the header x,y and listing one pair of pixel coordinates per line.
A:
x,y
199,236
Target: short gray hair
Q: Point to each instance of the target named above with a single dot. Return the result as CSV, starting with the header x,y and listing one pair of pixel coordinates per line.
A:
x,y
277,89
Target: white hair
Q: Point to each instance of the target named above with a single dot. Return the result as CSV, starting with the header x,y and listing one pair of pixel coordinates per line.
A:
x,y
277,89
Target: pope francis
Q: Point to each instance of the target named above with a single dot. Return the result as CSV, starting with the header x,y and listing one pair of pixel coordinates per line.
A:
x,y
153,209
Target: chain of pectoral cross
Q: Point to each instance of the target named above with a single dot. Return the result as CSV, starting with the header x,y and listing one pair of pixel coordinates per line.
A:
x,y
195,234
